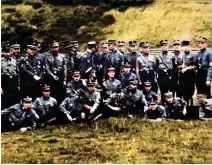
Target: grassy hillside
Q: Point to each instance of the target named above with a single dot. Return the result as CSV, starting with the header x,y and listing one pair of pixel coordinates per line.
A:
x,y
160,20
112,141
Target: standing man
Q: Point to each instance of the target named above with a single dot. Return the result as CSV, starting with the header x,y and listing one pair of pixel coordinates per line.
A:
x,y
165,64
121,47
178,62
116,58
87,65
204,68
32,72
146,67
56,72
10,79
187,73
16,52
132,55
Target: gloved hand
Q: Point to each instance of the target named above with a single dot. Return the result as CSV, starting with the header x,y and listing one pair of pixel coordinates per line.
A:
x,y
92,110
184,111
23,129
69,117
56,78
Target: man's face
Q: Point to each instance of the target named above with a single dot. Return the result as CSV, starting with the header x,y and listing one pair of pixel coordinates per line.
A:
x,y
91,88
147,88
73,49
202,45
55,50
169,99
121,48
132,48
31,52
126,70
111,47
177,47
164,47
46,93
7,53
16,51
105,49
145,50
133,87
27,105
76,77
111,74
185,48
152,107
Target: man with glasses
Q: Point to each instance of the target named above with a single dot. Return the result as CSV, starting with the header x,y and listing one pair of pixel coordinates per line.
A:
x,y
204,68
32,72
10,80
132,55
165,64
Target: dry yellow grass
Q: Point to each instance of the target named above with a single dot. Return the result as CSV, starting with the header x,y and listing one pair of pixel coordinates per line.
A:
x,y
162,20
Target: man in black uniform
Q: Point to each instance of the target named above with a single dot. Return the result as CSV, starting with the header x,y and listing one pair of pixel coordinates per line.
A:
x,y
205,109
115,58
32,72
56,72
121,47
146,67
76,83
178,62
10,79
165,64
204,68
88,65
187,73
132,56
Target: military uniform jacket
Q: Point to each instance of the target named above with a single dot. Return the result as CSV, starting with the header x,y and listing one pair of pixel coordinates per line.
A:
x,y
115,59
205,109
165,64
112,85
131,58
31,66
70,104
175,109
116,100
159,112
55,66
44,105
151,95
9,67
24,117
92,99
204,61
136,99
125,79
72,85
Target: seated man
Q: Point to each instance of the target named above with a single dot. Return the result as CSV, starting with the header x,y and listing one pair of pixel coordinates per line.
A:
x,y
45,106
149,94
175,107
20,116
127,75
136,103
205,109
155,112
76,83
111,84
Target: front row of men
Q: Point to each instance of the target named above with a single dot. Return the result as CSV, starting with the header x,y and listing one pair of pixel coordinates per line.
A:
x,y
86,102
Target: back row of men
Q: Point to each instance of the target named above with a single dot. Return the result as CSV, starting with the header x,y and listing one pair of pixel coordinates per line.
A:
x,y
176,71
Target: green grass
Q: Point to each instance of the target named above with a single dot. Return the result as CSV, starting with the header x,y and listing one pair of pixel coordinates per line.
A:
x,y
112,141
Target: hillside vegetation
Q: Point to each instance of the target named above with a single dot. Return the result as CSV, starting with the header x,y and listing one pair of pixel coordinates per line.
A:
x,y
151,22
112,141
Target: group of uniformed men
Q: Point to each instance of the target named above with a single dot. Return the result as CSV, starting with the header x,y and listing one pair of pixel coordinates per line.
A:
x,y
87,86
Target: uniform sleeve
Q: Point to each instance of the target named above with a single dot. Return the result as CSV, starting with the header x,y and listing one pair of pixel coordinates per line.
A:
x,y
43,71
38,107
144,102
33,118
24,68
162,112
209,74
65,69
47,66
97,102
63,106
